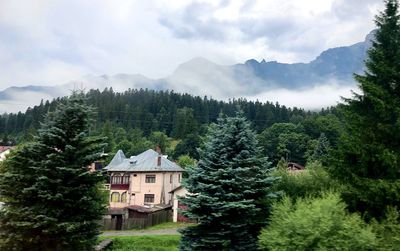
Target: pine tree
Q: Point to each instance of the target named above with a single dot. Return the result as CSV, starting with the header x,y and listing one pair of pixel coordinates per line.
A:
x,y
369,152
321,150
227,187
52,201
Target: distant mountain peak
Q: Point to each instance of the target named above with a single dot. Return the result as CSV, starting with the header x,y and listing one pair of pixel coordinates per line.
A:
x,y
200,76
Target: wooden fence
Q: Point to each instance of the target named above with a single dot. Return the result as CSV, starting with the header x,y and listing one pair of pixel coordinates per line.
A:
x,y
144,221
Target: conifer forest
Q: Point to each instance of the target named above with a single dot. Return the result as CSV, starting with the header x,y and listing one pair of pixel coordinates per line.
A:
x,y
163,169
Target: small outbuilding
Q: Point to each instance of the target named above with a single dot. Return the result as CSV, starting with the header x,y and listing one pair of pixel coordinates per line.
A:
x,y
177,206
295,167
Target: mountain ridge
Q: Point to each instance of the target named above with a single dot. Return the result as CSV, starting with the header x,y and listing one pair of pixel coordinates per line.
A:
x,y
201,76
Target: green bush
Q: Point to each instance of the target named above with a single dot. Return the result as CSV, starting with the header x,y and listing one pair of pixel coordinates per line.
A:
x,y
388,230
316,224
312,182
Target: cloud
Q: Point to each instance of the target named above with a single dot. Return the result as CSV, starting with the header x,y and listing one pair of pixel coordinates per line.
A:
x,y
48,42
322,95
291,31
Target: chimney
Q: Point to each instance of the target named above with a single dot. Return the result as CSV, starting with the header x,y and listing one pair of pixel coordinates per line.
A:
x,y
158,150
159,160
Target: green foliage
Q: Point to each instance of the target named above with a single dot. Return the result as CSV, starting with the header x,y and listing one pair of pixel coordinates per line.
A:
x,y
312,182
329,125
52,201
184,123
388,230
316,224
161,140
321,150
369,152
133,142
188,146
166,111
227,187
285,140
185,161
145,243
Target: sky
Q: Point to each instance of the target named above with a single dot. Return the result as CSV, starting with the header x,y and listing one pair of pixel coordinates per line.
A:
x,y
49,42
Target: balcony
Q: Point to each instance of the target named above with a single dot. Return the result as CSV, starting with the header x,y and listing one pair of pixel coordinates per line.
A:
x,y
119,186
119,182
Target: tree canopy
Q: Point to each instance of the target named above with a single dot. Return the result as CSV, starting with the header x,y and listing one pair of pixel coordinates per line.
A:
x,y
51,199
369,152
226,189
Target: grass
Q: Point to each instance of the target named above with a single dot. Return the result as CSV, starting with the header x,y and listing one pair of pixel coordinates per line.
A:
x,y
168,225
145,243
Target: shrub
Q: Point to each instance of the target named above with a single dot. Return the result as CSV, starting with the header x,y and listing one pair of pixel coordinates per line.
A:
x,y
388,230
314,181
316,224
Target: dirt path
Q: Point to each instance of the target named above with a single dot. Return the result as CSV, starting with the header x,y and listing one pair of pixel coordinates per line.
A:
x,y
168,231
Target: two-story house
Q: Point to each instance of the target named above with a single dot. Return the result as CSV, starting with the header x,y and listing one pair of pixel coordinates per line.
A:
x,y
145,179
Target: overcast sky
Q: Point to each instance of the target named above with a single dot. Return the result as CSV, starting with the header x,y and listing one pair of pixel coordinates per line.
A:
x,y
51,42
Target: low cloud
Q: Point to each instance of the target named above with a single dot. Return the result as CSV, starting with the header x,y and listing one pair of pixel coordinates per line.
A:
x,y
323,95
20,100
51,42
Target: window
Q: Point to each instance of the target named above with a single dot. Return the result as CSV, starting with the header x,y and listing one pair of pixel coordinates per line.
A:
x,y
150,178
125,179
149,198
98,165
123,197
116,179
170,178
179,178
115,197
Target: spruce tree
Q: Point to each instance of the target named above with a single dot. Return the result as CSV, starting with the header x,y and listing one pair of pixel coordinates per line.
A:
x,y
321,150
227,188
369,151
52,201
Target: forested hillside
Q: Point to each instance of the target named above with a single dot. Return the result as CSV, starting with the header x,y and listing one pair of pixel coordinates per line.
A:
x,y
138,119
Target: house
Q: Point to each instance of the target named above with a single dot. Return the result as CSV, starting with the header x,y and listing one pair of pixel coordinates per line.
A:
x,y
177,205
144,179
295,167
98,165
141,181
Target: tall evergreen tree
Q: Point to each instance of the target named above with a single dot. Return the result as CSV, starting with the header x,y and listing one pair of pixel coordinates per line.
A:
x,y
369,152
227,187
52,201
321,150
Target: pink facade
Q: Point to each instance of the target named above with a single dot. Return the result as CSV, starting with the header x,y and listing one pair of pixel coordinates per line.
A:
x,y
142,191
145,179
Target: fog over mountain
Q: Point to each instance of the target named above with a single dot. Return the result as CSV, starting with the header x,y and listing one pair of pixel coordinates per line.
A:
x,y
311,85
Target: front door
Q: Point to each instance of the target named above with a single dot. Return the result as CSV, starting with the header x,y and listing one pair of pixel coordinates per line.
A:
x,y
118,225
117,220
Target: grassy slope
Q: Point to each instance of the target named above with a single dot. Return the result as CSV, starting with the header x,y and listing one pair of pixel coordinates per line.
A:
x,y
168,225
145,243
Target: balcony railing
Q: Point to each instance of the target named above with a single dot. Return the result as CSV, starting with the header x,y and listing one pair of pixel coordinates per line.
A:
x,y
119,186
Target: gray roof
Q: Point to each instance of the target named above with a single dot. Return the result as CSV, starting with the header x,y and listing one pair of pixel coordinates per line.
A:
x,y
144,162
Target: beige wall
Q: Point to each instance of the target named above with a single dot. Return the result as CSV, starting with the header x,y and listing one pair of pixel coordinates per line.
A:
x,y
179,192
138,188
